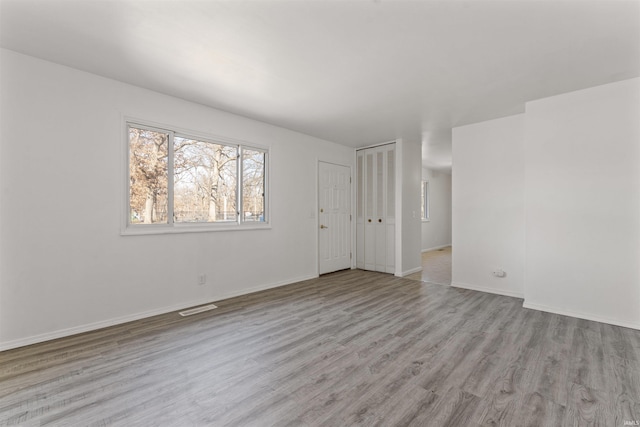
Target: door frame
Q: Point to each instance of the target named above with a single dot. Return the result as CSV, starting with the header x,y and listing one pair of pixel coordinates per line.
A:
x,y
316,214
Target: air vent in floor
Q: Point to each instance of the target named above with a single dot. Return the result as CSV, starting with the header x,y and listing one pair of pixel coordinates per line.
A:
x,y
197,310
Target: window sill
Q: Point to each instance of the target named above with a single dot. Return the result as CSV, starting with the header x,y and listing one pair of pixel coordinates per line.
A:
x,y
144,230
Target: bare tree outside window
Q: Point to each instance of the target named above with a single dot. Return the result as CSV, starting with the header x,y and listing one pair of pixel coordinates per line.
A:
x,y
148,176
253,175
205,178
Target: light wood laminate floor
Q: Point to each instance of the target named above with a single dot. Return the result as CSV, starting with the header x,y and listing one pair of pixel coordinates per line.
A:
x,y
436,267
348,348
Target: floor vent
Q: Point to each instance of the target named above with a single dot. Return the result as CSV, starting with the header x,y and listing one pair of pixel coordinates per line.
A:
x,y
197,310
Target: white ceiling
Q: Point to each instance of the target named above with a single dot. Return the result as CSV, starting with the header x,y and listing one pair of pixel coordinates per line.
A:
x,y
353,72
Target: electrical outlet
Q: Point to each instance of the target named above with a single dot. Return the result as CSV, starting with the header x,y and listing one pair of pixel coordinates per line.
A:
x,y
202,279
499,273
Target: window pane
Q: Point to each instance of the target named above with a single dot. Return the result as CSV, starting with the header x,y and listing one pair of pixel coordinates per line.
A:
x,y
253,167
148,152
425,199
360,172
422,202
204,181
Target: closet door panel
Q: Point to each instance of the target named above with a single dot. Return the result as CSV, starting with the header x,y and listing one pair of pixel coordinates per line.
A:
x,y
360,245
390,204
369,211
379,211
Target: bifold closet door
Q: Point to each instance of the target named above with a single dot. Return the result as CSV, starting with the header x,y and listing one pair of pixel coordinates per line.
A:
x,y
375,213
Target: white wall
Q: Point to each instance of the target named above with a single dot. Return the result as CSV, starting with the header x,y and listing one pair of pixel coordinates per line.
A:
x,y
436,233
66,268
583,203
408,228
3,189
488,206
571,166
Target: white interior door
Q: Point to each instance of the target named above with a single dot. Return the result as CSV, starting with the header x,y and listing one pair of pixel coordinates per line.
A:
x,y
334,217
375,210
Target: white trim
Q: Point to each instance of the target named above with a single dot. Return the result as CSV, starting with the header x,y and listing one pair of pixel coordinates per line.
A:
x,y
97,325
189,132
398,194
408,272
264,287
570,313
366,147
316,216
155,229
354,211
124,175
435,248
21,342
488,290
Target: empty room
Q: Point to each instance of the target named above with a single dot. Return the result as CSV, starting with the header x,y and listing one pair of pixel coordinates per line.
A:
x,y
320,213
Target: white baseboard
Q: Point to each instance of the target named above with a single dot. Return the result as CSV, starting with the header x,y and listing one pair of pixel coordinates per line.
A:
x,y
513,294
570,313
263,287
48,336
61,333
435,248
408,272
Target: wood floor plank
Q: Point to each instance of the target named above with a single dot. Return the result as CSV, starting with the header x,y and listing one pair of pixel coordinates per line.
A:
x,y
623,377
616,343
537,411
588,406
411,408
588,362
348,348
457,408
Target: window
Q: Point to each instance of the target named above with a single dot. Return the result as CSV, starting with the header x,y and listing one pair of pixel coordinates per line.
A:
x,y
425,200
253,162
148,175
178,180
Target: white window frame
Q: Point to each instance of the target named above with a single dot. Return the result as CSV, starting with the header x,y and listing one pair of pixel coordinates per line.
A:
x,y
425,201
170,227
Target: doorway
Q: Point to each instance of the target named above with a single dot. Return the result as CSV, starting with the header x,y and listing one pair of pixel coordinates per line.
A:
x,y
436,267
334,217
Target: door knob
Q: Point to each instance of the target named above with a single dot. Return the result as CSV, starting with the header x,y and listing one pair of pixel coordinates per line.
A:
x,y
323,226
369,220
379,220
